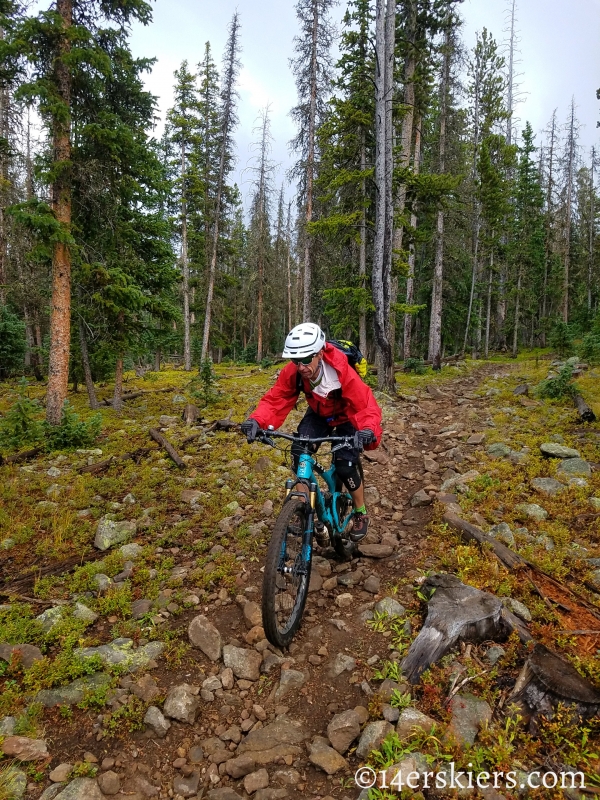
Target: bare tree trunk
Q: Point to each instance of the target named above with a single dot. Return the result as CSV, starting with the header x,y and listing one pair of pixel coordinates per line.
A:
x,y
383,249
591,238
362,251
157,360
310,165
489,304
515,342
117,402
289,272
60,320
548,237
410,280
406,133
228,95
85,360
568,213
185,268
435,324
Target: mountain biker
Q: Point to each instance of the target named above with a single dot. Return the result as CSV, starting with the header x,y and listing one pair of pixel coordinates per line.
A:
x,y
338,401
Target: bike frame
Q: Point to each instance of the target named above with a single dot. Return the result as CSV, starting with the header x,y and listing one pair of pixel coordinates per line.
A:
x,y
326,510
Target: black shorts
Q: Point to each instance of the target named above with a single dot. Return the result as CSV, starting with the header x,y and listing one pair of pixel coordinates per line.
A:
x,y
314,426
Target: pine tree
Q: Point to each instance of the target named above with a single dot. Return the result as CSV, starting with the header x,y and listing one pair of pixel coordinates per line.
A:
x,y
312,70
527,241
64,45
183,126
228,121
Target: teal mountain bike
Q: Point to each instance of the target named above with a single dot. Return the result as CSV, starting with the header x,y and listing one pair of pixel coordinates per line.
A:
x,y
307,511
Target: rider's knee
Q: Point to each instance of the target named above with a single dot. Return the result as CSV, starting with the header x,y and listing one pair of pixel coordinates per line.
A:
x,y
348,472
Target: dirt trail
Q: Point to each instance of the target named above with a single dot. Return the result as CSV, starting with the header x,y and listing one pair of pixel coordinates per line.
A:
x,y
423,439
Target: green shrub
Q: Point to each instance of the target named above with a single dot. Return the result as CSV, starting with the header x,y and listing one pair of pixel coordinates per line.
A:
x,y
589,350
415,365
559,387
12,343
22,424
204,387
73,432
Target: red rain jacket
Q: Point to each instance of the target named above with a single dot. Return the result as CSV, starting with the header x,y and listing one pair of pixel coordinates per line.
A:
x,y
354,403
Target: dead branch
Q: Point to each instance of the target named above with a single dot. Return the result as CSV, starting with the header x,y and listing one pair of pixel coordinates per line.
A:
x,y
471,532
167,447
17,458
139,393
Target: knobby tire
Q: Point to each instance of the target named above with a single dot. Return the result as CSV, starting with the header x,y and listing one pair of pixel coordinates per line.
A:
x,y
279,631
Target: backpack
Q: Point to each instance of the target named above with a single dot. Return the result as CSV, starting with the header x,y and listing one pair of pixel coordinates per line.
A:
x,y
353,354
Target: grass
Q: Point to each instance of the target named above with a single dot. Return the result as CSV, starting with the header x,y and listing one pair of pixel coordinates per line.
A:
x,y
42,534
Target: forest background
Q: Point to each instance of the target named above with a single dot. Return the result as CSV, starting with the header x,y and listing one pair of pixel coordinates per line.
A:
x,y
421,215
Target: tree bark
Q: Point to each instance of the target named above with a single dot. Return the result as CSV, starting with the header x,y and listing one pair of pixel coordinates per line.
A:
x,y
362,251
4,131
382,251
117,402
568,213
310,162
489,304
185,268
228,120
548,226
515,341
85,360
60,321
290,324
410,279
435,324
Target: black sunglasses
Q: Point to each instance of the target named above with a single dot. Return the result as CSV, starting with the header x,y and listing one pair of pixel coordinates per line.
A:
x,y
305,360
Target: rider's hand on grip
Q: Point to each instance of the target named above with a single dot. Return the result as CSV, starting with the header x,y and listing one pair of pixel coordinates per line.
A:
x,y
363,438
250,428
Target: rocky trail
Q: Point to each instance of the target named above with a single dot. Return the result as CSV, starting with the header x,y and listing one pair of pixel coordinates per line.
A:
x,y
232,717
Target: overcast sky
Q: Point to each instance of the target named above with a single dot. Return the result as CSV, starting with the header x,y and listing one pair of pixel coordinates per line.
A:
x,y
559,44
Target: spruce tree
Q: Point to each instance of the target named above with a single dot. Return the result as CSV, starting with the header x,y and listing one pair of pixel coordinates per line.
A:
x,y
63,46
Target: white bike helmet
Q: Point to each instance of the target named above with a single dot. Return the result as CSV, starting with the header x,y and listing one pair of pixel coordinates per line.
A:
x,y
304,340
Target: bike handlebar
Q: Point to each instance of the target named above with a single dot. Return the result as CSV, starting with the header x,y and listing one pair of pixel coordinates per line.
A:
x,y
308,440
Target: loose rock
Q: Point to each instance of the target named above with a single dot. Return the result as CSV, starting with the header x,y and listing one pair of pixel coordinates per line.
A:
x,y
531,511
157,721
291,680
412,720
182,703
325,757
548,486
205,635
553,450
244,663
343,729
24,749
469,713
109,533
256,780
372,736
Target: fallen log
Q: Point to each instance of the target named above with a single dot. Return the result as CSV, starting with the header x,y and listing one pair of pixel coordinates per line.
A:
x,y
547,680
167,447
513,560
100,466
457,612
471,532
139,393
24,455
586,414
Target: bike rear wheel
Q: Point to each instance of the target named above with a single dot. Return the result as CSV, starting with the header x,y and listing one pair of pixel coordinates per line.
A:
x,y
343,545
287,575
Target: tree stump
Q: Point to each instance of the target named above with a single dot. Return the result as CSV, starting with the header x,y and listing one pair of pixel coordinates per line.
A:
x,y
585,412
547,680
457,612
190,414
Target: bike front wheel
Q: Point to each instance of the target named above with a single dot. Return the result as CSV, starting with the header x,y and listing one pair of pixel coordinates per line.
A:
x,y
287,575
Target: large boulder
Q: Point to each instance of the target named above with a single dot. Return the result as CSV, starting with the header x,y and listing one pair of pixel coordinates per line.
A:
x,y
122,652
81,789
574,467
24,749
